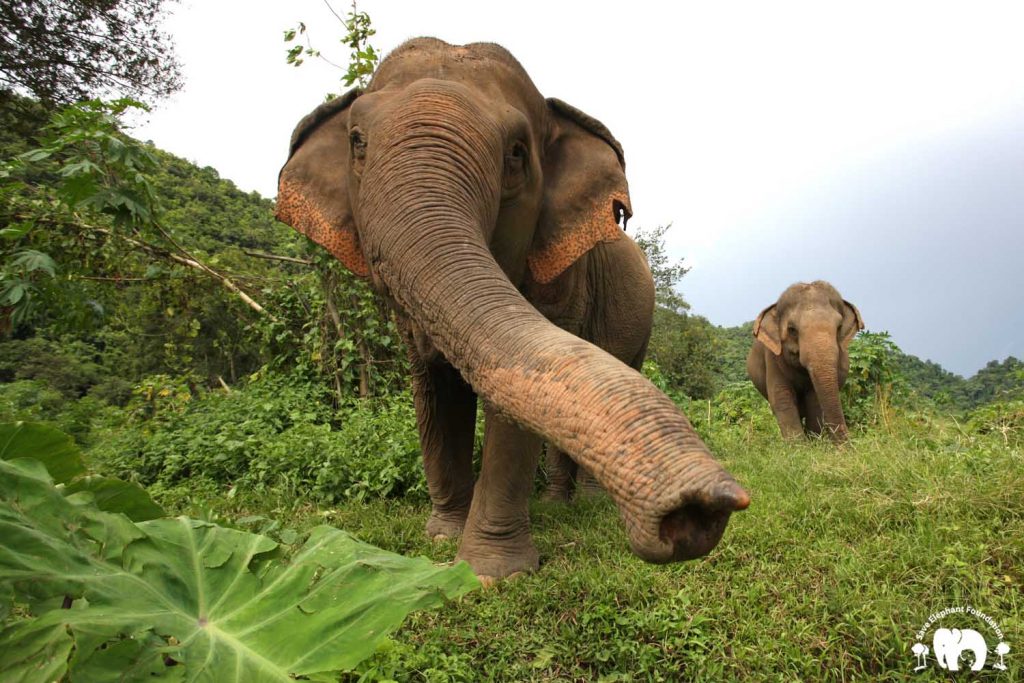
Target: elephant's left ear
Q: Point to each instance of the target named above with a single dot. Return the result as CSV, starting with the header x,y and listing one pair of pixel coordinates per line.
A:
x,y
585,192
851,325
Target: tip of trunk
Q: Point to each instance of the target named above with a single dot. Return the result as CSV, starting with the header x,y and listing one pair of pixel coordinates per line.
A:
x,y
693,527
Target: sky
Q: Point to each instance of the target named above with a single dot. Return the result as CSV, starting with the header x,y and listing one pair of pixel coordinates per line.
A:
x,y
877,145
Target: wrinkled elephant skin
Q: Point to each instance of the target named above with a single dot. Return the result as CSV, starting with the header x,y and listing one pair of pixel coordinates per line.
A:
x,y
489,218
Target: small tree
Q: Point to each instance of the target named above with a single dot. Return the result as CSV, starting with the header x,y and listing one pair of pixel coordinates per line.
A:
x,y
683,345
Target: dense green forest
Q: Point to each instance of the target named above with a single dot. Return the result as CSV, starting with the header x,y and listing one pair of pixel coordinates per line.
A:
x,y
206,360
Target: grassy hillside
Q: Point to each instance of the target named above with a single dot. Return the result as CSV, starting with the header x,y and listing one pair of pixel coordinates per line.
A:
x,y
840,559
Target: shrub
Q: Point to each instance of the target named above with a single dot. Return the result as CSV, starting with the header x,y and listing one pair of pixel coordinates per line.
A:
x,y
34,401
275,433
68,366
874,379
1005,418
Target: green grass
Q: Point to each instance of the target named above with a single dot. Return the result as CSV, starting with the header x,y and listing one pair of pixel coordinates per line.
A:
x,y
839,561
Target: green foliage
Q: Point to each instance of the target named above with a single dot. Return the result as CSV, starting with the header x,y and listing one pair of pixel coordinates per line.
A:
x,y
34,401
874,377
276,433
738,405
65,51
1002,418
223,604
85,174
843,552
997,381
67,365
97,168
685,348
666,272
57,453
733,347
363,57
682,345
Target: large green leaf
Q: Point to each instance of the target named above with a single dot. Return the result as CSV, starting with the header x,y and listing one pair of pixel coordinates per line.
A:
x,y
62,459
114,495
52,447
225,604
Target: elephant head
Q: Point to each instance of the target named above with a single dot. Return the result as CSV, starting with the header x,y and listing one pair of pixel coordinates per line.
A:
x,y
811,327
949,644
453,184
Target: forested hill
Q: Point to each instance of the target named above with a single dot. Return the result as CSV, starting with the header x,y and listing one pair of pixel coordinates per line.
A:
x,y
120,300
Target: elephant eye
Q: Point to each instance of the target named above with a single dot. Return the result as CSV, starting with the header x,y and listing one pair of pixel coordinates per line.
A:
x,y
515,166
791,329
358,142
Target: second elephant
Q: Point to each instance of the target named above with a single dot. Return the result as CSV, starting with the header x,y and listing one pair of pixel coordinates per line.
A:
x,y
800,358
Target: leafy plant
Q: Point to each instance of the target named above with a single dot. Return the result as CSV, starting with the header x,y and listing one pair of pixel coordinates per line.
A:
x,y
59,455
91,593
225,604
363,57
1003,418
874,377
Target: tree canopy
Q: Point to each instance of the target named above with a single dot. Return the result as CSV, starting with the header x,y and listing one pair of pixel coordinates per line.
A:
x,y
62,51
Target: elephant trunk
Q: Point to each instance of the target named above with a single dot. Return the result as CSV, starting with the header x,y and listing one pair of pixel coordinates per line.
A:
x,y
820,355
430,194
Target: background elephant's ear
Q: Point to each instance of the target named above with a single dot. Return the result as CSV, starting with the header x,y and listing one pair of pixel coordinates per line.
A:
x,y
851,325
585,192
766,329
312,189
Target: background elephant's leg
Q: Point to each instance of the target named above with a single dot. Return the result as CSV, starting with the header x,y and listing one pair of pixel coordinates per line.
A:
x,y
496,541
587,485
785,405
561,471
814,416
446,413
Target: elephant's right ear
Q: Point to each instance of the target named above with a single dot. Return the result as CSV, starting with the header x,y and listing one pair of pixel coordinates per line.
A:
x,y
312,189
766,329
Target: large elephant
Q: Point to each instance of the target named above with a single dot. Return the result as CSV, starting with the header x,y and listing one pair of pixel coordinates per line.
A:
x,y
488,217
800,358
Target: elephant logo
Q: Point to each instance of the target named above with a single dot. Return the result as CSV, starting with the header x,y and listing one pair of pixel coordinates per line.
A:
x,y
954,648
949,644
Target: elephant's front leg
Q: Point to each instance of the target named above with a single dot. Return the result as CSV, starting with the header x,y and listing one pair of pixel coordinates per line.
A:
x,y
446,414
784,403
814,416
497,541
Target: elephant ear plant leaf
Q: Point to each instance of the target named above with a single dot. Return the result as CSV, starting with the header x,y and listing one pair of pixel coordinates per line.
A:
x,y
62,459
93,596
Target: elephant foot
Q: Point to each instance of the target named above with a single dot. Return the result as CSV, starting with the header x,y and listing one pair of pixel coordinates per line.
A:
x,y
557,495
442,525
493,561
490,582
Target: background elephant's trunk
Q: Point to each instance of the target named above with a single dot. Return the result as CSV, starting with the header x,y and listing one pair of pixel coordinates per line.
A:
x,y
429,193
819,353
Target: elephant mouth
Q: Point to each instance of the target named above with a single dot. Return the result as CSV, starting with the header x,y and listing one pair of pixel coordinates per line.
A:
x,y
691,528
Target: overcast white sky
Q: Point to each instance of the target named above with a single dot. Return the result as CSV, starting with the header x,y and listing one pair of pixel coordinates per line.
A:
x,y
876,145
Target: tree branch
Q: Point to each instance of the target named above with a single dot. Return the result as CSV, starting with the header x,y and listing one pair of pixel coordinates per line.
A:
x,y
275,257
